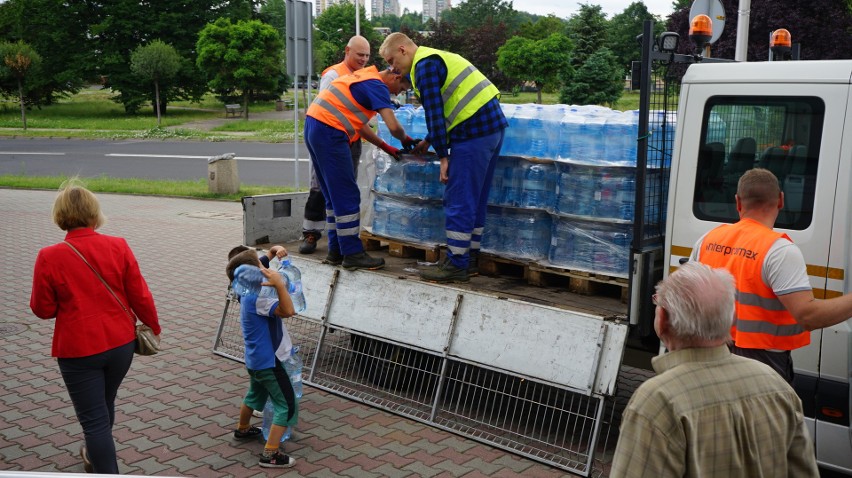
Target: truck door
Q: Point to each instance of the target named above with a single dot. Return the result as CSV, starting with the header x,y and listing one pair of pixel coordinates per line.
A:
x,y
832,406
795,130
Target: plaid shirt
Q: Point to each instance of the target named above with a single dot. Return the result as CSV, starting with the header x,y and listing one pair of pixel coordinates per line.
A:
x,y
429,75
712,414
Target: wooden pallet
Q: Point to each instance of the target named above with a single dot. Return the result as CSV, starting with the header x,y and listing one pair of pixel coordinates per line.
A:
x,y
580,282
399,248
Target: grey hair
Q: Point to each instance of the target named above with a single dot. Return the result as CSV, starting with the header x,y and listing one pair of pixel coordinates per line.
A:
x,y
699,301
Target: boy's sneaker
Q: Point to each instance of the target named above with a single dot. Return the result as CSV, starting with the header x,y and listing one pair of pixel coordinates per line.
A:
x,y
278,460
252,432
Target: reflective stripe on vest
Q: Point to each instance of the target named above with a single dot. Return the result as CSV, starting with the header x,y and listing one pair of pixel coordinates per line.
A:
x,y
336,107
465,90
340,68
761,321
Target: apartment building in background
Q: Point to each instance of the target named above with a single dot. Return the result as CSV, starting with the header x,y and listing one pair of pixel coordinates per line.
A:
x,y
434,8
384,7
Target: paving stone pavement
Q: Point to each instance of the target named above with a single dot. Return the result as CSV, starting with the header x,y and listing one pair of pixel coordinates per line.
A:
x,y
176,410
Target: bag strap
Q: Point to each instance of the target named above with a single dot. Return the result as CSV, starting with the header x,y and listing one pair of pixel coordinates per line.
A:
x,y
130,314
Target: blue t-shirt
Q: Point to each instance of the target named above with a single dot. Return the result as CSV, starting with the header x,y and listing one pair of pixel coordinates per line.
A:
x,y
263,332
371,94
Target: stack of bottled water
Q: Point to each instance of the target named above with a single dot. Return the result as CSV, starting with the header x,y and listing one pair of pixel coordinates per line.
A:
x,y
409,219
517,233
590,189
591,246
596,192
410,178
521,183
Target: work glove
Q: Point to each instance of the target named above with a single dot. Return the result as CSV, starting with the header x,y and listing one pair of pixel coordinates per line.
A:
x,y
394,152
409,143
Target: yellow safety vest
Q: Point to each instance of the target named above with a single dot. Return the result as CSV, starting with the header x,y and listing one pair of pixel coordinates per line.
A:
x,y
466,89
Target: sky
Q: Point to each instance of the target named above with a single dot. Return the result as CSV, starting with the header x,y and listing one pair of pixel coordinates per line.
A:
x,y
563,8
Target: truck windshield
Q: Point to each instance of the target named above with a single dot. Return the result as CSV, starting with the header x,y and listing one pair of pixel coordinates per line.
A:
x,y
781,134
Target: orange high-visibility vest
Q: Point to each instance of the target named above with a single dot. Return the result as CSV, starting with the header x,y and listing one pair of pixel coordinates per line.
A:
x,y
336,107
340,68
761,321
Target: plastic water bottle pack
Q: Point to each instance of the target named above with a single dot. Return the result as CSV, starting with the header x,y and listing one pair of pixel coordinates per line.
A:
x,y
409,219
539,186
596,191
517,233
293,367
590,246
247,280
293,279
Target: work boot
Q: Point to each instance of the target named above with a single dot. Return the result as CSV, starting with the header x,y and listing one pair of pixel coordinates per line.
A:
x,y
445,273
473,264
334,258
362,260
309,242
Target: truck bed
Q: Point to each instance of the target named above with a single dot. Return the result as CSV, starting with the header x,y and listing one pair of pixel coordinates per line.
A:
x,y
508,285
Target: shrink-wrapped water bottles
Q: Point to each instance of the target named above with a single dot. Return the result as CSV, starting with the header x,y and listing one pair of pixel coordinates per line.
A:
x,y
539,186
293,281
293,367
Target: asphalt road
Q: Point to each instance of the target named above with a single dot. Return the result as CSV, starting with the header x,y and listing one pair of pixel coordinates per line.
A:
x,y
268,164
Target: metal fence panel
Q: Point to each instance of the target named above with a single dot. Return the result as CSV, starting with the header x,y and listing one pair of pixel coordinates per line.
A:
x,y
465,368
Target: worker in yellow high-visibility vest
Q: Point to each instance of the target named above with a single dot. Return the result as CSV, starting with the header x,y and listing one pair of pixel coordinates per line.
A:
x,y
466,127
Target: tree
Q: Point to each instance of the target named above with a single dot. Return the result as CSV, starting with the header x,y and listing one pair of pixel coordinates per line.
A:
x,y
539,61
480,48
476,13
58,31
588,31
19,59
242,57
598,81
274,12
623,29
119,26
445,36
543,28
337,23
156,61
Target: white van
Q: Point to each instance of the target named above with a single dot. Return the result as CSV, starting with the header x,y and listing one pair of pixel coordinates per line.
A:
x,y
794,119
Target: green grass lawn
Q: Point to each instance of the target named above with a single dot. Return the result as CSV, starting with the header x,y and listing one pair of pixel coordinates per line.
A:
x,y
106,184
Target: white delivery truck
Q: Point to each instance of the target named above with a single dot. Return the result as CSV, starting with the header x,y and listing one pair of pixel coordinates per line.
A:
x,y
542,371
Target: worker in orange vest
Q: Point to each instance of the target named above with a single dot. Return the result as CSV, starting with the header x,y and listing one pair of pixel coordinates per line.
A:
x,y
775,305
336,119
355,56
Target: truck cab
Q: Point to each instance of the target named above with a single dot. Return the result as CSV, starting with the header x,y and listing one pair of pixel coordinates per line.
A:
x,y
792,118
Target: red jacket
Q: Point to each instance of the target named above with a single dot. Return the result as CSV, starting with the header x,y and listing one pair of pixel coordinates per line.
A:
x,y
88,319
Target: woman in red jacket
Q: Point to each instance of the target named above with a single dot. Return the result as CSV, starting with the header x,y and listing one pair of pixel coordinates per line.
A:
x,y
94,336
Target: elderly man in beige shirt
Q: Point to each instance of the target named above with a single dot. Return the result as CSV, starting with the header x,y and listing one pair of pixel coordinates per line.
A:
x,y
709,413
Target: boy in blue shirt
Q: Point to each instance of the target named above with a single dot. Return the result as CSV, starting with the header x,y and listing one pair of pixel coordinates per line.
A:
x,y
267,343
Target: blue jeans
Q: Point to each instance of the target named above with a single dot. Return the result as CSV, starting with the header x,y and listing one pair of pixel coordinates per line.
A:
x,y
92,383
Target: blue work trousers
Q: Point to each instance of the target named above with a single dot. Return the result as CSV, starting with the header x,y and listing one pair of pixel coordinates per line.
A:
x,y
332,160
471,170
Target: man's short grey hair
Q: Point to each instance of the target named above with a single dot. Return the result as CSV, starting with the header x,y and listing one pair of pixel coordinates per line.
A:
x,y
699,301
